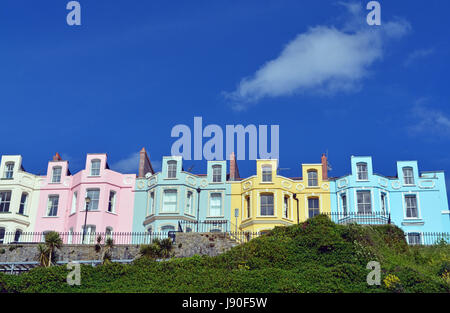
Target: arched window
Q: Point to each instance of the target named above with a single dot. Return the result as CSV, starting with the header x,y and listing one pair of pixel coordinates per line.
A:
x,y
108,232
167,228
267,173
172,169
23,203
56,174
2,235
312,178
95,167
217,173
361,169
9,170
17,235
408,176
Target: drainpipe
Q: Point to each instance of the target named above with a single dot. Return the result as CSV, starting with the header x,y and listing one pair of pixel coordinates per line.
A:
x,y
198,206
298,211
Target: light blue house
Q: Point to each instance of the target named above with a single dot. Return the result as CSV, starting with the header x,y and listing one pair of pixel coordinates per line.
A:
x,y
174,200
414,201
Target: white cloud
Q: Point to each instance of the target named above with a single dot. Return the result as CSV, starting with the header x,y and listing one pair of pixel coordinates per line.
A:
x,y
417,54
323,59
131,164
128,165
428,120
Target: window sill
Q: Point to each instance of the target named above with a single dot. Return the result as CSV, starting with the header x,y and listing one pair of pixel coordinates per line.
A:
x,y
170,212
216,182
213,216
409,185
22,214
50,216
112,213
362,180
4,178
71,214
5,212
263,216
53,183
313,187
172,178
89,211
190,215
267,183
93,176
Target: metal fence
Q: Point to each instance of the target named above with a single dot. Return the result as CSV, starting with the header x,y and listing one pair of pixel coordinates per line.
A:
x,y
87,238
427,238
368,218
205,226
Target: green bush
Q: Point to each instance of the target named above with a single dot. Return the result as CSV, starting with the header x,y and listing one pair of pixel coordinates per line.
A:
x,y
314,256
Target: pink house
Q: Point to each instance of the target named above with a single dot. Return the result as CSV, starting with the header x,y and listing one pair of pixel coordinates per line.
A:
x,y
96,196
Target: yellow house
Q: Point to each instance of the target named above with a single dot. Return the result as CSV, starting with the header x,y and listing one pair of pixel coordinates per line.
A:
x,y
266,200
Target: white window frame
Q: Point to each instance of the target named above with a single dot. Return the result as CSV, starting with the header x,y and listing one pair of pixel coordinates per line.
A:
x,y
364,203
89,235
211,194
189,202
415,232
313,208
266,172
315,179
261,195
23,204
93,200
217,177
112,206
151,202
73,209
359,172
56,177
51,205
9,170
4,203
408,180
172,169
163,206
405,206
94,171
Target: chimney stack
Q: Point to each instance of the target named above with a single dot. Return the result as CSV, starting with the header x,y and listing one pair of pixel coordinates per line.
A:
x,y
145,166
234,171
57,157
324,167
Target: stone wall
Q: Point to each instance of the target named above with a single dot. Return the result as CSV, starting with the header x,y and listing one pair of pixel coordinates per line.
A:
x,y
186,245
212,244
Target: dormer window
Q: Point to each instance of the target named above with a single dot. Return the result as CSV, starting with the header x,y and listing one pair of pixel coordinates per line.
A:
x,y
312,178
56,174
408,176
217,173
9,170
95,167
267,173
361,169
172,169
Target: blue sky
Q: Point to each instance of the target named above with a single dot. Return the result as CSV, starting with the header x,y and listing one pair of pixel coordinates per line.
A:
x,y
135,69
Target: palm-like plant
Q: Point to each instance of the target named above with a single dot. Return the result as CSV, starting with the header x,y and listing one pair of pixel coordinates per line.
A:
x,y
52,241
165,247
43,254
109,243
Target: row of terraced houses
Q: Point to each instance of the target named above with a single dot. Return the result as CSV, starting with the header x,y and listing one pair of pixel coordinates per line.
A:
x,y
100,200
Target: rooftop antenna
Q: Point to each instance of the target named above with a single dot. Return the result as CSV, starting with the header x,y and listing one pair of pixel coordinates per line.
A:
x,y
330,168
